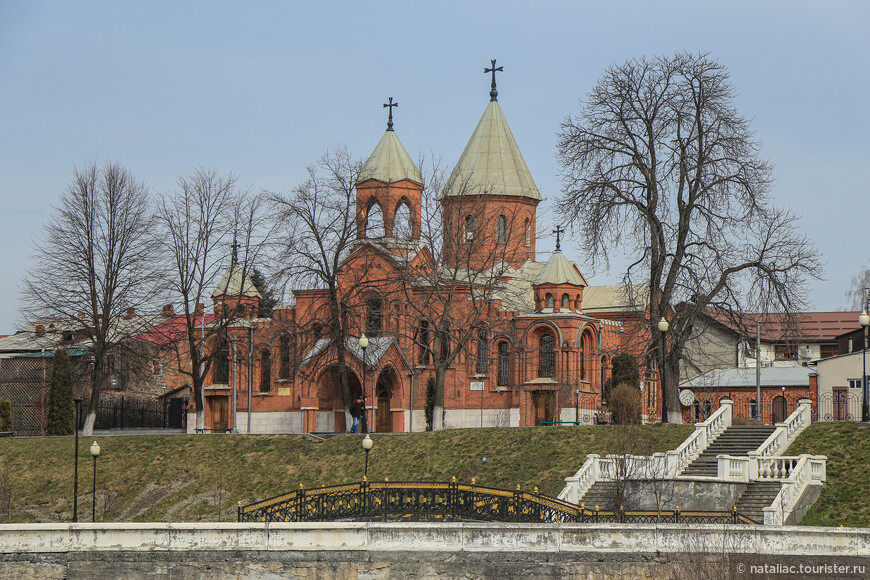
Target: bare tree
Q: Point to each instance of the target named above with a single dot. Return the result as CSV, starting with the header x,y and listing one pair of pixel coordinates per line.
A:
x,y
206,227
660,162
318,232
856,295
453,288
96,261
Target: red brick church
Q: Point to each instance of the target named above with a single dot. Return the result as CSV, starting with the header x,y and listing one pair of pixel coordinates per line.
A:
x,y
540,346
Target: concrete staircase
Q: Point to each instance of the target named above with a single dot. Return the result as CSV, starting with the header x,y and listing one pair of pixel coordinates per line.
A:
x,y
602,494
735,440
759,495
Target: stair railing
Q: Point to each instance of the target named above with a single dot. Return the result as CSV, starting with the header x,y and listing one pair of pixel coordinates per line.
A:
x,y
799,472
787,431
695,444
578,484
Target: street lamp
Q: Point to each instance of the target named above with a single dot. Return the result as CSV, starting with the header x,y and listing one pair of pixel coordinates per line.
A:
x,y
95,452
78,402
364,344
663,329
367,444
864,319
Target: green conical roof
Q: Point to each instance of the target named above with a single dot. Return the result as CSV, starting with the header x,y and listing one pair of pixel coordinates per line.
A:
x,y
492,162
389,162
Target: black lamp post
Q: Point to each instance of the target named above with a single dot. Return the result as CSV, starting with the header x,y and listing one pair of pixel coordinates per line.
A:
x,y
367,444
78,402
864,319
663,329
95,452
364,422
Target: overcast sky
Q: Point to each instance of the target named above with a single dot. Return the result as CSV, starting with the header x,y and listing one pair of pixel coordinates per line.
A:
x,y
264,88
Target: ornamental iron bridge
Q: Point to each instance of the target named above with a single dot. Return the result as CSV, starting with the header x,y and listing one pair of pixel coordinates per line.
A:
x,y
451,501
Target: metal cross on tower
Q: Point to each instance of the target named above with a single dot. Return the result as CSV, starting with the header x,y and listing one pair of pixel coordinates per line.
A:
x,y
558,231
493,94
235,256
391,104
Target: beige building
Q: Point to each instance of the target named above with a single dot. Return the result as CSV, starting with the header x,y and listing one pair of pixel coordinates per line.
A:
x,y
840,387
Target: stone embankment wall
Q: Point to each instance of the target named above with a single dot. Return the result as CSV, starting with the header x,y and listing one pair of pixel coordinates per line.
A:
x,y
427,550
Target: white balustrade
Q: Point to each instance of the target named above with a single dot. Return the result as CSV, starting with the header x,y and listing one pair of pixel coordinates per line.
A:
x,y
577,485
695,444
801,471
787,431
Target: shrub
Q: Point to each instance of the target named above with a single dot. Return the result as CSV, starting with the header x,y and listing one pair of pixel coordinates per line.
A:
x,y
625,405
624,369
61,411
5,415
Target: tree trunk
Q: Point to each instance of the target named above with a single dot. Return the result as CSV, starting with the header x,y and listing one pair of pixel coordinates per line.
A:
x,y
672,396
438,409
90,419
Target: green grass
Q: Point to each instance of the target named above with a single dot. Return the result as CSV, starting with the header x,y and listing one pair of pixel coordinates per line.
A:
x,y
845,499
201,477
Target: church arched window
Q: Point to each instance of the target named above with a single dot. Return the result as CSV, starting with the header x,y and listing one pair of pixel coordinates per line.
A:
x,y
547,356
565,301
469,228
501,234
528,232
424,342
375,222
482,350
503,363
402,223
374,316
265,371
548,301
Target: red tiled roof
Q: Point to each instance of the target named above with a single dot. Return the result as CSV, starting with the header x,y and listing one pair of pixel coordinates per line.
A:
x,y
812,326
173,328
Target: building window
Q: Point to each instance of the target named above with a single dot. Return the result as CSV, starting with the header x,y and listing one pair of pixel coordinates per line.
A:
x,y
565,301
547,356
284,364
501,229
222,363
528,232
469,228
583,354
265,371
424,342
503,363
857,383
753,409
482,350
374,316
548,301
785,352
827,350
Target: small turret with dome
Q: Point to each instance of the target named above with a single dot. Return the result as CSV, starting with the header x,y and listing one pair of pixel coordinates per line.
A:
x,y
389,187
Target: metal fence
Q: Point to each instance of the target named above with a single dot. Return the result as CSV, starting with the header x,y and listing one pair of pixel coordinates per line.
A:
x,y
404,501
120,412
24,381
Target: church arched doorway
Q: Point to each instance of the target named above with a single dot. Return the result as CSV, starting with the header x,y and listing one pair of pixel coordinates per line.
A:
x,y
383,396
330,402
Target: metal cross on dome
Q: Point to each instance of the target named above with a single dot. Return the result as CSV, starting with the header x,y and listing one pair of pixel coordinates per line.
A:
x,y
493,94
391,104
558,231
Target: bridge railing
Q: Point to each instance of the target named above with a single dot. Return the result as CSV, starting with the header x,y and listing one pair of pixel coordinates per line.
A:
x,y
447,501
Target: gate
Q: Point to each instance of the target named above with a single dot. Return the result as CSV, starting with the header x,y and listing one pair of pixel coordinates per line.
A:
x,y
839,405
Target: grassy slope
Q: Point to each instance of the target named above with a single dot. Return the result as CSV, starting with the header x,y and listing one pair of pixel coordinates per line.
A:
x,y
845,499
178,478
